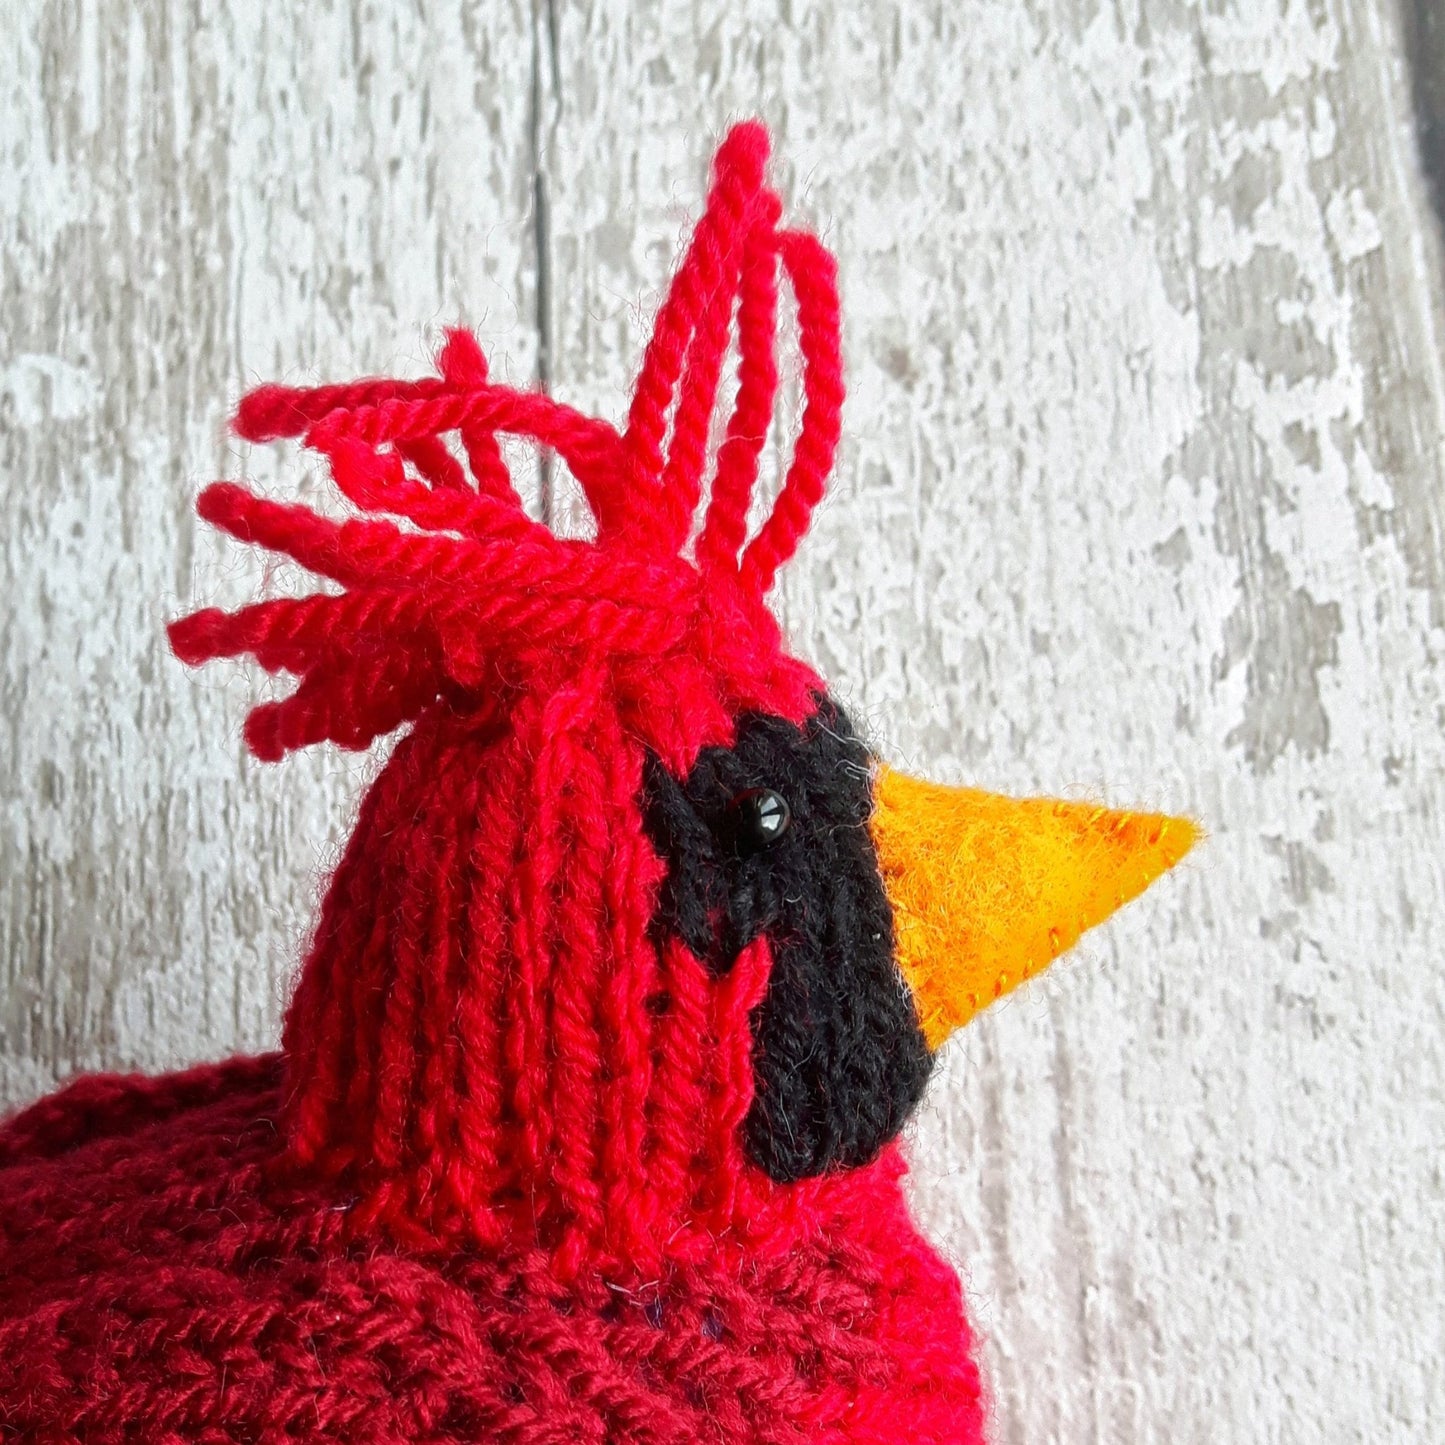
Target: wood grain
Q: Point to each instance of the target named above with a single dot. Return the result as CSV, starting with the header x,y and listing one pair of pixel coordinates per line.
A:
x,y
1142,498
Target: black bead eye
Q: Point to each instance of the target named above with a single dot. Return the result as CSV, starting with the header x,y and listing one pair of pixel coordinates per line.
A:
x,y
760,817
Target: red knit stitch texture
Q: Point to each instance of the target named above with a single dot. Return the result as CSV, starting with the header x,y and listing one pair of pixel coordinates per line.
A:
x,y
492,1187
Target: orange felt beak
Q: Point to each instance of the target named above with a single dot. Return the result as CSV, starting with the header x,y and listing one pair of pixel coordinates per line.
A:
x,y
987,891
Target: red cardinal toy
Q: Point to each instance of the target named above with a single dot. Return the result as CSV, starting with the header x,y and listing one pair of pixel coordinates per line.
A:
x,y
583,1128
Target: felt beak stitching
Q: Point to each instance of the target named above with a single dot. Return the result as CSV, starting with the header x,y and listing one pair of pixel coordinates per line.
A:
x,y
987,891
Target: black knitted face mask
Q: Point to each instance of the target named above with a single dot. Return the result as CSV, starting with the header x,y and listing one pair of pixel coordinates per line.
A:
x,y
770,837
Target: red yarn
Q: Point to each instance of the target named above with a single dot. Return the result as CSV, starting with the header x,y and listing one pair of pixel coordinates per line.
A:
x,y
158,1288
493,1187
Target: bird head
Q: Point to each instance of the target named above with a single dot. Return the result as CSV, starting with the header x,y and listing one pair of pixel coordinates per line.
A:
x,y
635,939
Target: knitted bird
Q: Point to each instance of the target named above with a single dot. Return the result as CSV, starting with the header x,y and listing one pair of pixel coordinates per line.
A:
x,y
584,1126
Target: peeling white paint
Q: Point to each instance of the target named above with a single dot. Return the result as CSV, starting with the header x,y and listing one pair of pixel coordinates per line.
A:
x,y
1141,498
38,389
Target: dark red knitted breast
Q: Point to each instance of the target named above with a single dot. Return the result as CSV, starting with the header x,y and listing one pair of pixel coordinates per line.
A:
x,y
159,1283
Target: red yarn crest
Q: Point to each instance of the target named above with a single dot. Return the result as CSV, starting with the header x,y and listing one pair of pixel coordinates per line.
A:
x,y
470,581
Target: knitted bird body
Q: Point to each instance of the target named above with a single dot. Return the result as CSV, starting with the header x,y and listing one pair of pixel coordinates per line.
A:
x,y
584,1123
161,1286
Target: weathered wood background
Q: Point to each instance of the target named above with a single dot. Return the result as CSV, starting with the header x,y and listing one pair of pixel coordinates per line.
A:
x,y
1141,498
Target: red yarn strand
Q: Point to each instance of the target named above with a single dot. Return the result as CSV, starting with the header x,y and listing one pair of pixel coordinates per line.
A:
x,y
738,174
814,276
464,365
737,462
272,412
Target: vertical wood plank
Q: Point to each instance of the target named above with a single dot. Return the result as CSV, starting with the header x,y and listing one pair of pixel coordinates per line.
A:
x,y
205,197
1141,499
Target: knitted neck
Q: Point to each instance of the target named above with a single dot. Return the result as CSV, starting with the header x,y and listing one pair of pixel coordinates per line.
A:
x,y
488,1037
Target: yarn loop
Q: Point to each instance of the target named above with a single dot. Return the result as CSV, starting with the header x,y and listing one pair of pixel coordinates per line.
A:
x,y
447,583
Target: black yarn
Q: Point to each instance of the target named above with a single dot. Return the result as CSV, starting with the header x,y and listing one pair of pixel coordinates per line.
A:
x,y
839,1056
